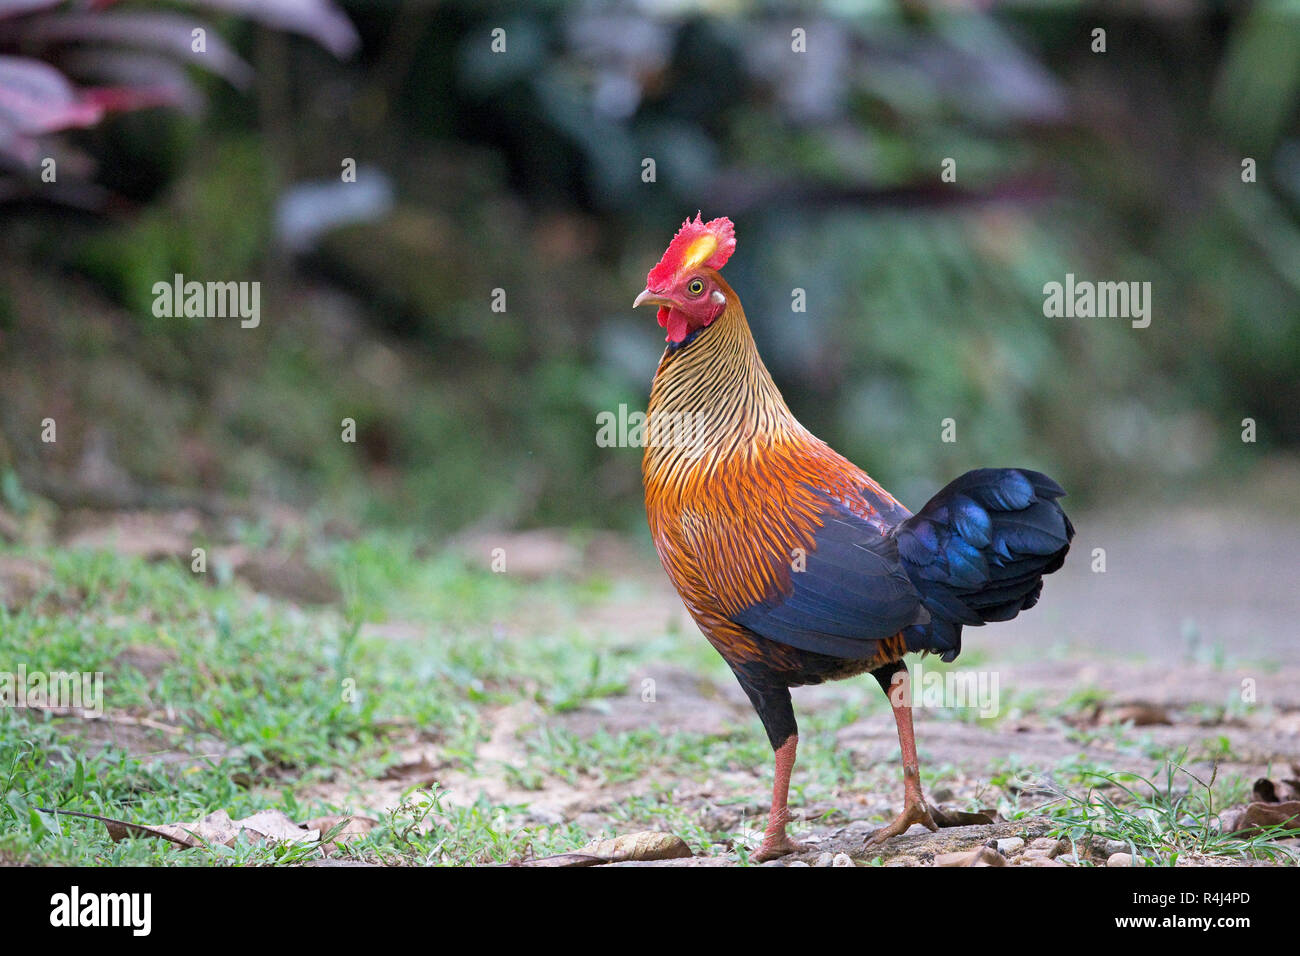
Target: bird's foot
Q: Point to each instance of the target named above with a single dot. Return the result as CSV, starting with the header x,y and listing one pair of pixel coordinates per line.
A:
x,y
775,847
915,811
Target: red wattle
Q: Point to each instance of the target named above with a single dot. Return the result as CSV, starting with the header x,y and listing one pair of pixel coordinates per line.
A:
x,y
678,327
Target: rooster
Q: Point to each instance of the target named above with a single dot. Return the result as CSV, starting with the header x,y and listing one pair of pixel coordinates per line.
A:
x,y
798,567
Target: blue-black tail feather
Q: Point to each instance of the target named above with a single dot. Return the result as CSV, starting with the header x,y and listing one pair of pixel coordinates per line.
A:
x,y
978,550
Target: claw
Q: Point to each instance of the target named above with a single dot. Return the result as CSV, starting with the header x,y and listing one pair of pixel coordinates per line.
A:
x,y
913,812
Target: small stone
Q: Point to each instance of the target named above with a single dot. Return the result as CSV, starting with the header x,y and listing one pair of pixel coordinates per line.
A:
x,y
1069,859
1043,861
773,863
980,856
1048,846
1114,846
989,856
1011,845
1120,859
824,859
842,859
797,863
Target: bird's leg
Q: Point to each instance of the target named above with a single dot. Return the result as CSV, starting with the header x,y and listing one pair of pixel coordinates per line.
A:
x,y
775,841
898,689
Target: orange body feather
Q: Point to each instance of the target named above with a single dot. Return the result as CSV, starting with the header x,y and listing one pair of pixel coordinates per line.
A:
x,y
731,489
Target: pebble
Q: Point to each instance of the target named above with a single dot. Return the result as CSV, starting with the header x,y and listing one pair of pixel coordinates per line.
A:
x,y
1011,844
989,856
797,863
824,859
980,856
1115,846
842,859
1050,846
1120,859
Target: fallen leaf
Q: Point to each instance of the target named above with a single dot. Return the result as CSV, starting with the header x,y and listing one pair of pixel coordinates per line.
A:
x,y
645,845
1258,817
216,827
964,818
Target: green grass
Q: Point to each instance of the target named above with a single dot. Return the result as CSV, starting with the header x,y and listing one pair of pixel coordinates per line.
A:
x,y
266,701
220,698
1164,821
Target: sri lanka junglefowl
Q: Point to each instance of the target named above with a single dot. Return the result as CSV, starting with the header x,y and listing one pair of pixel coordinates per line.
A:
x,y
797,566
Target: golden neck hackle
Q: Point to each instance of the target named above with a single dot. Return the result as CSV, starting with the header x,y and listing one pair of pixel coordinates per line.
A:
x,y
719,386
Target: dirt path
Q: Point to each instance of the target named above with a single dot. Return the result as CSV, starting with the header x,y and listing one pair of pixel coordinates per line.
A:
x,y
1190,581
1184,643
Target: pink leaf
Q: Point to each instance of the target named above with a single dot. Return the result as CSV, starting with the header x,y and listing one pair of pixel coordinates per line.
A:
x,y
167,32
140,70
319,19
35,98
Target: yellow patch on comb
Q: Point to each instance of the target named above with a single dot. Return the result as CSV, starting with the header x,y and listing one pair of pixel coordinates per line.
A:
x,y
699,250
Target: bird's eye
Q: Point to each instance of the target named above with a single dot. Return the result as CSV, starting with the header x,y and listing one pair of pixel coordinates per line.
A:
x,y
695,287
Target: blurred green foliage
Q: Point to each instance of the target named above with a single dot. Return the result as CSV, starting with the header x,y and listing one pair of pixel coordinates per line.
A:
x,y
522,171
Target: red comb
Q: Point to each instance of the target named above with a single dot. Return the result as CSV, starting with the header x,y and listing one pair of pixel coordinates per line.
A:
x,y
683,251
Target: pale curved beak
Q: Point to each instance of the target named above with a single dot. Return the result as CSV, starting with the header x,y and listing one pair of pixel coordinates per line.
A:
x,y
652,298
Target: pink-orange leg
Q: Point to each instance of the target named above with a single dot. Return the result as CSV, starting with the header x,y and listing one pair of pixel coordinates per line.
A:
x,y
775,841
914,807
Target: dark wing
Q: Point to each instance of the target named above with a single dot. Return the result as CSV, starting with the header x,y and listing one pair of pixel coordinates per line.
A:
x,y
851,593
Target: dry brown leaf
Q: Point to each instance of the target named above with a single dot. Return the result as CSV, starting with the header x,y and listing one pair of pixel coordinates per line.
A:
x,y
645,845
964,818
216,827
117,829
1258,817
